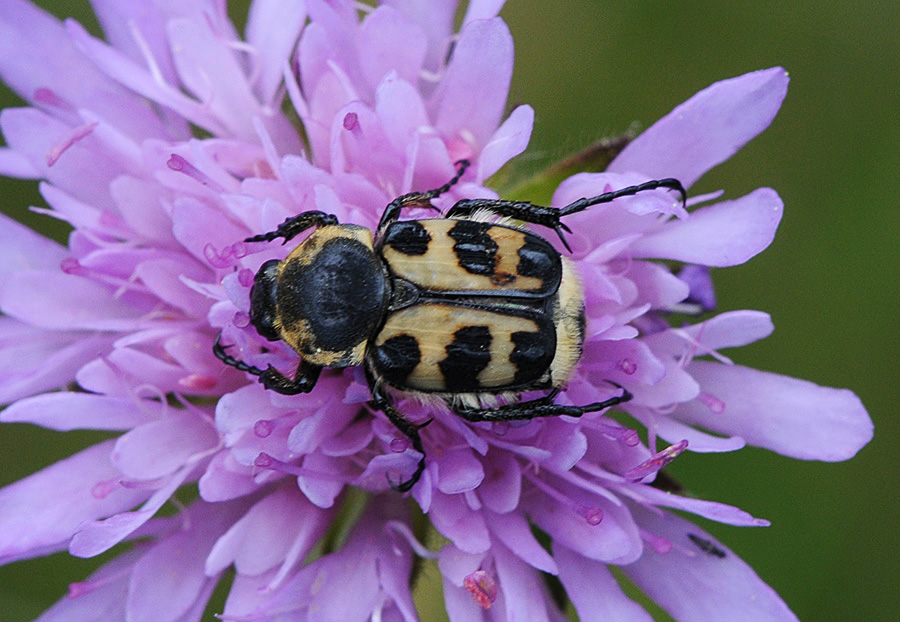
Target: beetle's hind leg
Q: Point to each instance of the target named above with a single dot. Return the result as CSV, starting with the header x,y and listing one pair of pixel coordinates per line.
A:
x,y
550,216
418,199
303,382
541,407
295,225
380,401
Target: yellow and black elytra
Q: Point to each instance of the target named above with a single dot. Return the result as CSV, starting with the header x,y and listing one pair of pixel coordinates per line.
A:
x,y
459,309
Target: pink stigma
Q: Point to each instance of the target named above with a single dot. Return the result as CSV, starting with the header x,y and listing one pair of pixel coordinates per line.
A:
x,y
399,445
351,121
482,587
593,516
67,141
656,462
180,165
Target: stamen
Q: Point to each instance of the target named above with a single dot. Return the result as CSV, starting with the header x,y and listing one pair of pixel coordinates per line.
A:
x,y
270,463
627,366
482,587
180,165
226,258
351,121
245,277
402,529
399,445
593,515
48,97
82,588
500,428
198,382
656,461
263,428
67,141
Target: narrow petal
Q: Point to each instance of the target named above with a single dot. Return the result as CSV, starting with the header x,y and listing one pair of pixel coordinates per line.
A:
x,y
514,530
507,142
22,249
594,591
790,416
522,587
84,488
699,579
391,41
724,234
707,129
158,448
73,411
472,95
273,27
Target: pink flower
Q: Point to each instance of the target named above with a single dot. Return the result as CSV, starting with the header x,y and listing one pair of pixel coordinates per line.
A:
x,y
172,141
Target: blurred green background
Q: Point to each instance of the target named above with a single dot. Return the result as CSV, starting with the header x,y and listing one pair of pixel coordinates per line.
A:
x,y
830,280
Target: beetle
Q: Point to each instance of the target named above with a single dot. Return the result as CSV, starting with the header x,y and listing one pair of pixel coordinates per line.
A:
x,y
468,309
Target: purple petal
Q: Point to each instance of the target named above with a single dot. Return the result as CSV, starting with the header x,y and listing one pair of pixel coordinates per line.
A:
x,y
283,523
712,510
790,416
273,27
96,536
169,580
508,141
158,448
390,41
458,470
614,540
99,598
522,586
502,483
72,411
593,589
707,129
725,234
472,96
514,531
324,487
23,249
700,579
226,479
36,53
435,18
462,525
45,508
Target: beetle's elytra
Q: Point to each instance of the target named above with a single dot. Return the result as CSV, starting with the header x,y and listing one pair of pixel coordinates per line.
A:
x,y
456,308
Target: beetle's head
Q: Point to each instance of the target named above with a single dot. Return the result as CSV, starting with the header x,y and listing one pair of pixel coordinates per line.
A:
x,y
326,299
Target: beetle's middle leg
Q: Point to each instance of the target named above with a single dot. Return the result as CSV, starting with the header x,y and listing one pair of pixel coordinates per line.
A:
x,y
380,401
541,407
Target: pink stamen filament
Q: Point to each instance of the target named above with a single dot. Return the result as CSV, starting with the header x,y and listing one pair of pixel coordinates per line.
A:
x,y
68,141
656,461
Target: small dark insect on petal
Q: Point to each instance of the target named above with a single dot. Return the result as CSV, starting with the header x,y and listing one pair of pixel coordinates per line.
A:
x,y
707,546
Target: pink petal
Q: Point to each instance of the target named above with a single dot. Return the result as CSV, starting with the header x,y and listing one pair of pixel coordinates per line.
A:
x,y
157,449
524,594
699,578
514,530
790,416
594,591
226,479
463,526
71,411
724,234
507,142
96,536
83,486
273,27
472,96
281,524
458,470
390,41
707,129
502,485
22,249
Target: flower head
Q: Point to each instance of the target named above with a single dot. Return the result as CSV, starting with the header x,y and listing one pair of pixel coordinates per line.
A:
x,y
167,145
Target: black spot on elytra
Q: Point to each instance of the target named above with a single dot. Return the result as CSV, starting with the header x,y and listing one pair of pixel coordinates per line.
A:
x,y
467,356
408,237
532,354
537,260
475,250
707,546
396,358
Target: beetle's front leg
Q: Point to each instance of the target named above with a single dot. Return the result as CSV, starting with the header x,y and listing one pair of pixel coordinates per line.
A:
x,y
303,382
380,401
417,199
295,225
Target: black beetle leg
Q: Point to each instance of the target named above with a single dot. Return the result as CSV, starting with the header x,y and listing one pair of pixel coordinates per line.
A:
x,y
381,402
541,407
296,225
303,382
418,199
550,216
